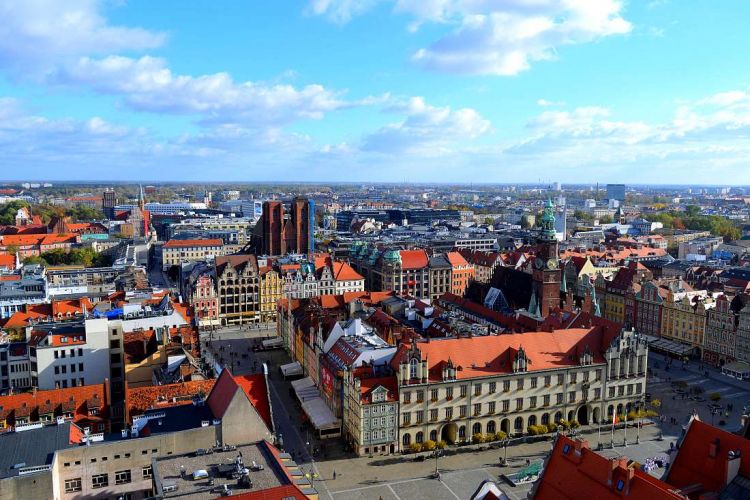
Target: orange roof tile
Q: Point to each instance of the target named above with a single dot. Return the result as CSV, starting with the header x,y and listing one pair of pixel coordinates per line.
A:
x,y
574,471
254,387
456,259
8,261
59,401
344,272
140,399
492,354
414,259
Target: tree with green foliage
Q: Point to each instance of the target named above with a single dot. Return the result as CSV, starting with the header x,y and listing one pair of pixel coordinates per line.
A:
x,y
9,210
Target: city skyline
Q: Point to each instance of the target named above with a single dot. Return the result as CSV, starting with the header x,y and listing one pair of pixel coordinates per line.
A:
x,y
375,91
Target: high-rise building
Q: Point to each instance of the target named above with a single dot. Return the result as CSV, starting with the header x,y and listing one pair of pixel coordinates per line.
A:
x,y
109,200
616,192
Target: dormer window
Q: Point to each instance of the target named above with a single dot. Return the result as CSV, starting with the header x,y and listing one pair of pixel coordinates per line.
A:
x,y
94,411
413,368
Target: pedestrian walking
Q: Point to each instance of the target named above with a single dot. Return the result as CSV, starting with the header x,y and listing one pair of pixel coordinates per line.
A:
x,y
334,474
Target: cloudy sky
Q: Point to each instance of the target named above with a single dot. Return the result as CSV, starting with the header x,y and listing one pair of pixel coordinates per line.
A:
x,y
376,90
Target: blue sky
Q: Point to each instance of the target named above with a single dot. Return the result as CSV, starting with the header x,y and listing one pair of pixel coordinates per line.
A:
x,y
376,90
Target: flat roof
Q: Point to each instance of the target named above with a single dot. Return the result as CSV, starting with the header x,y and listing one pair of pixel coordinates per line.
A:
x,y
168,470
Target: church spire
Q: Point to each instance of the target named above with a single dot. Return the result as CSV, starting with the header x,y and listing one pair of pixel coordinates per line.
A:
x,y
141,197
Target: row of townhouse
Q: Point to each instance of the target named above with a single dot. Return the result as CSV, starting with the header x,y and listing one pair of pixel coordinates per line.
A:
x,y
412,272
448,389
243,289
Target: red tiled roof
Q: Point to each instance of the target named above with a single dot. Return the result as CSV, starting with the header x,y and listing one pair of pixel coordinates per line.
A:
x,y
193,243
254,387
574,471
285,492
695,465
222,393
414,259
492,354
344,272
8,261
456,259
58,401
140,399
367,385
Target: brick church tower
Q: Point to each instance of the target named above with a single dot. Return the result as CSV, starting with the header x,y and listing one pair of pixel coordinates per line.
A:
x,y
547,275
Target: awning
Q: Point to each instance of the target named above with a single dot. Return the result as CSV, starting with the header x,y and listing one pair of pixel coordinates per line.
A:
x,y
668,346
272,343
313,405
291,369
736,367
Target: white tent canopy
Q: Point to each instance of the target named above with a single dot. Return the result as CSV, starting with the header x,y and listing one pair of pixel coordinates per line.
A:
x,y
291,369
321,417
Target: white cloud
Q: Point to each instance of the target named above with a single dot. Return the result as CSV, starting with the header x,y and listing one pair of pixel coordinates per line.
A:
x,y
37,35
498,38
340,11
426,129
546,103
147,84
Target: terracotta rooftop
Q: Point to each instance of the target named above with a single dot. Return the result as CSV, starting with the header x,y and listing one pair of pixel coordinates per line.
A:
x,y
494,354
140,399
414,259
344,272
573,471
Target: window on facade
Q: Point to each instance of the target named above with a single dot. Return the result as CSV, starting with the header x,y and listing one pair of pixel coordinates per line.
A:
x,y
611,392
621,390
433,395
597,393
72,485
462,411
122,477
433,415
477,389
534,381
464,389
519,403
449,413
413,368
407,397
406,418
519,384
491,407
597,375
532,402
546,400
506,385
420,396
493,387
560,379
99,480
573,378
559,398
420,416
477,408
449,393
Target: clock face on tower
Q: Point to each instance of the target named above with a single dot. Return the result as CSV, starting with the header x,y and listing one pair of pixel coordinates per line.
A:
x,y
539,263
552,264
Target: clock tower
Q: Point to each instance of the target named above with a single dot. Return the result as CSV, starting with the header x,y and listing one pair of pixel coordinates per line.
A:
x,y
547,275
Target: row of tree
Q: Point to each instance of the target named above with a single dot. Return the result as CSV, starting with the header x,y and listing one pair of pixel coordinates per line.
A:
x,y
86,257
46,212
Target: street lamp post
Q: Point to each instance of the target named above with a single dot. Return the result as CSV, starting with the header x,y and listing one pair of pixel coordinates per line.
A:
x,y
437,454
504,462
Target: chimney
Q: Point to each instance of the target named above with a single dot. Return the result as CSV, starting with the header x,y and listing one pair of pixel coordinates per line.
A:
x,y
734,460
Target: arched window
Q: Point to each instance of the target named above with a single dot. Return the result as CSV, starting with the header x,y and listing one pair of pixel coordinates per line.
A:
x,y
477,428
558,416
518,424
610,410
433,435
420,437
532,420
406,440
545,418
491,427
413,368
462,432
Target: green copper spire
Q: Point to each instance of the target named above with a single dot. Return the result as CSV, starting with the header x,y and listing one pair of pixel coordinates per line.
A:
x,y
547,221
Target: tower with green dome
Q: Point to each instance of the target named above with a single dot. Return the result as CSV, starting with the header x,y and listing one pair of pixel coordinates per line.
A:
x,y
547,275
